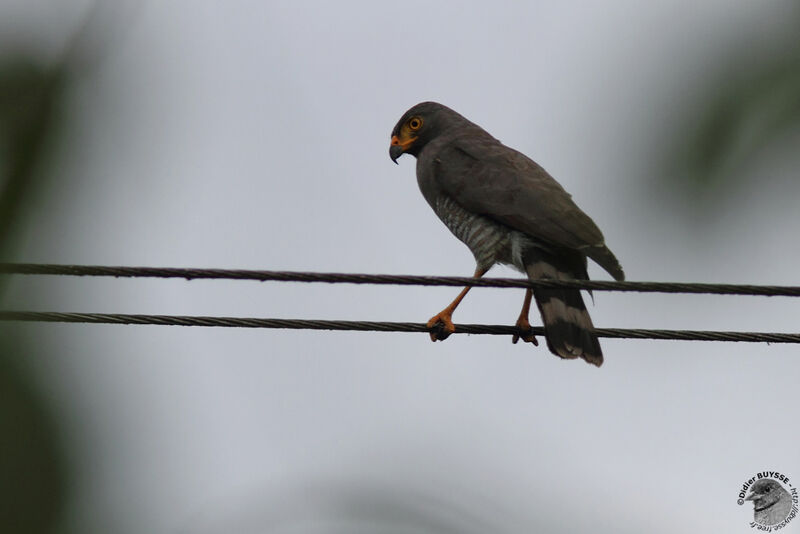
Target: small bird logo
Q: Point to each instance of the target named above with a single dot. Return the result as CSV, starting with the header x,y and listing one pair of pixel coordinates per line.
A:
x,y
771,502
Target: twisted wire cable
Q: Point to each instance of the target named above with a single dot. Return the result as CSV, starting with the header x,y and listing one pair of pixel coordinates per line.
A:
x,y
390,279
379,326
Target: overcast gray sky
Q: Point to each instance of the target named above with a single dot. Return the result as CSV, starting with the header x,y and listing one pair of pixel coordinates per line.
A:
x,y
255,135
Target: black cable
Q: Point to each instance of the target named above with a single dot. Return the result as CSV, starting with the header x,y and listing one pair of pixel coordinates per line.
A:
x,y
388,279
378,326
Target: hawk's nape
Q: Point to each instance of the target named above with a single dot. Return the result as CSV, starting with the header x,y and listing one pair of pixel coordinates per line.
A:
x,y
506,209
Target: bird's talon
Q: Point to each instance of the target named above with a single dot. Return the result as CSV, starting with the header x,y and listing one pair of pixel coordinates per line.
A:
x,y
528,338
525,333
440,332
440,327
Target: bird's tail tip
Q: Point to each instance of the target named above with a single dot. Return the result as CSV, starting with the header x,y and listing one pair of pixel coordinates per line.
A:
x,y
578,344
568,326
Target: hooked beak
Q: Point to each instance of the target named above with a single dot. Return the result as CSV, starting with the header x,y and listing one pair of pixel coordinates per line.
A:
x,y
398,148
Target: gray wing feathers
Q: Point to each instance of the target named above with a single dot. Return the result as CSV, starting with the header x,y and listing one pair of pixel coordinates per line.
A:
x,y
486,177
606,259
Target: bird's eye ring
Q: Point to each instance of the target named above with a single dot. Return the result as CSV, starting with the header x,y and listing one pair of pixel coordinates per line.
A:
x,y
415,123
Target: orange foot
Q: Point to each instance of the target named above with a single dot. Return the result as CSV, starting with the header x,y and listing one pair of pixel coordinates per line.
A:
x,y
525,332
441,326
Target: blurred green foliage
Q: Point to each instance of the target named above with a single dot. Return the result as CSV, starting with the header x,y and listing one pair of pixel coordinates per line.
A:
x,y
751,100
747,112
33,471
30,94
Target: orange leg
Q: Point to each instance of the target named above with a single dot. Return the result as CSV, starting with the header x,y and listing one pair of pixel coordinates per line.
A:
x,y
522,322
442,323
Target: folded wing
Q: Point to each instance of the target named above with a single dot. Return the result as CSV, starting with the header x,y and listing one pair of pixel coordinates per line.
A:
x,y
486,177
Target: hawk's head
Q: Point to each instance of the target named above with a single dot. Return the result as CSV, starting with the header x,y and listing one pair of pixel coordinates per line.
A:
x,y
419,125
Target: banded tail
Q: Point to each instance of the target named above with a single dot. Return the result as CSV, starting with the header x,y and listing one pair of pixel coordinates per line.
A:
x,y
567,324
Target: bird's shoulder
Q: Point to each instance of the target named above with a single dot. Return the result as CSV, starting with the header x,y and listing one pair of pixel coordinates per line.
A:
x,y
475,158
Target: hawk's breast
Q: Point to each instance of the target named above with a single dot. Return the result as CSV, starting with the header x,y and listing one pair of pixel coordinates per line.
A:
x,y
490,242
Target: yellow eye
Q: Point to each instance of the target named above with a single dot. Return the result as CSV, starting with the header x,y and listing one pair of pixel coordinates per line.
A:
x,y
415,123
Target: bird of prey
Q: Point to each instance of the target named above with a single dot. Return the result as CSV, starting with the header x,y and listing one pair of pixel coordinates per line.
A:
x,y
771,502
506,209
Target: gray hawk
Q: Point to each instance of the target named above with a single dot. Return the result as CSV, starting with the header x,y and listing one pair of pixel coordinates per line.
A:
x,y
506,209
